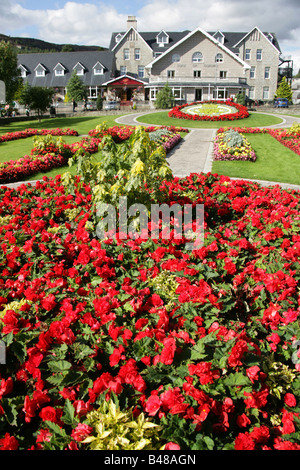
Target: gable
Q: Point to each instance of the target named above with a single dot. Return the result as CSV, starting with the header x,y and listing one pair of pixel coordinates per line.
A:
x,y
131,35
256,35
196,37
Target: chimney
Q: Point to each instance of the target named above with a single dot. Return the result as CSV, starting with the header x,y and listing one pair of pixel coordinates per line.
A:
x,y
131,22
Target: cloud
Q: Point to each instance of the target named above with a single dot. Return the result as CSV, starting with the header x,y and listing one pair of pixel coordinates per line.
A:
x,y
93,22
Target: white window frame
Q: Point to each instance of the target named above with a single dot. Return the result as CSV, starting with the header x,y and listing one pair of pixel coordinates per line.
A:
x,y
266,92
174,90
252,72
98,70
248,54
137,53
252,92
59,72
171,73
40,73
197,73
267,73
162,38
153,93
223,75
141,71
259,54
126,54
219,58
197,57
123,70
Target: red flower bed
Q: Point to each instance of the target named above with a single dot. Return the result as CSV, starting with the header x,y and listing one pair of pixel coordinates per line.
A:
x,y
241,113
202,342
29,165
32,132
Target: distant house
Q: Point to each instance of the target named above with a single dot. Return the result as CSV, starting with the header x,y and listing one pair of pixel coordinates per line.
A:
x,y
197,65
55,69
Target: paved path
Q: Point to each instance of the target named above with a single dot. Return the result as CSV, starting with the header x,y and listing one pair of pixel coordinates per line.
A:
x,y
195,152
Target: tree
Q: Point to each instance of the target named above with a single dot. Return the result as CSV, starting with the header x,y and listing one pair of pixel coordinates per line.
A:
x,y
9,72
284,90
37,98
165,98
76,88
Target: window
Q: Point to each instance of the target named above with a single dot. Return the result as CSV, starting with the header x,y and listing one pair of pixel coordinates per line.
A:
x,y
123,70
162,38
252,72
40,73
126,54
79,71
197,57
267,72
223,75
197,73
59,72
248,54
219,57
175,58
141,71
153,92
266,93
251,92
176,93
171,73
98,70
137,54
259,54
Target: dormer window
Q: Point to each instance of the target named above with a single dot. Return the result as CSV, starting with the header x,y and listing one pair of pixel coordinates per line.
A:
x,y
79,69
40,71
59,70
98,69
162,38
24,71
219,36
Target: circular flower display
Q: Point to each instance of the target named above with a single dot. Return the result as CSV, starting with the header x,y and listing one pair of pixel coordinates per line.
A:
x,y
210,111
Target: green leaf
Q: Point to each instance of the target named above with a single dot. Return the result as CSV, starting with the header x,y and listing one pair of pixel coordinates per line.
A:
x,y
237,380
69,413
59,366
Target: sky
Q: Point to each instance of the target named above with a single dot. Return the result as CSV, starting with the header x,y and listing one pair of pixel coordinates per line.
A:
x,y
91,22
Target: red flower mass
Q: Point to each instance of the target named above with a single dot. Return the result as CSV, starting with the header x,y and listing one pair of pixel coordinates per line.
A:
x,y
208,353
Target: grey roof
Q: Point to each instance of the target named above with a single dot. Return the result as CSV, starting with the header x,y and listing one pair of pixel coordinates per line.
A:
x,y
150,39
68,59
232,38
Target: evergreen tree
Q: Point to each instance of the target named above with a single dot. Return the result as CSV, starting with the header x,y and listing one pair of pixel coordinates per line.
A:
x,y
165,98
9,72
284,90
76,88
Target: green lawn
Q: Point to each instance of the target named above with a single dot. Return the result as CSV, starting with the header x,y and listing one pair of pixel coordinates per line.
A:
x,y
82,124
254,120
274,162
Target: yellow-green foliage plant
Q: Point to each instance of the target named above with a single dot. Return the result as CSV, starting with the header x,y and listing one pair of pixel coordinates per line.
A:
x,y
120,430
